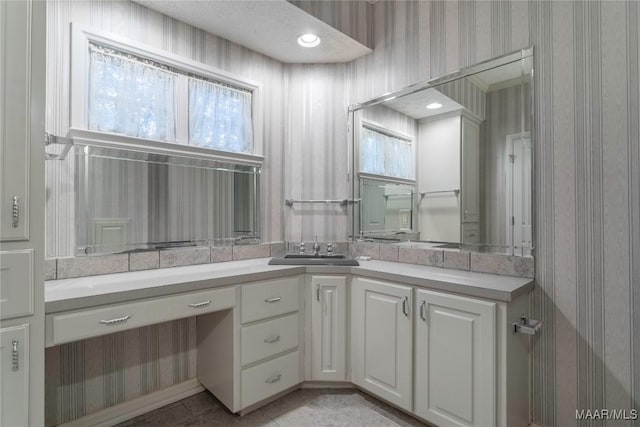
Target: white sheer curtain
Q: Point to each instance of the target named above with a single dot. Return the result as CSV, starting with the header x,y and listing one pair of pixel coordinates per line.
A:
x,y
219,117
387,155
130,97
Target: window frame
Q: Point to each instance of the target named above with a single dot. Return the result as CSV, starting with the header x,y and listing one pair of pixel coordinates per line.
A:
x,y
81,37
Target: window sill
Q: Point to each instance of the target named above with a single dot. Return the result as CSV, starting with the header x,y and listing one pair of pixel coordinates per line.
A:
x,y
108,140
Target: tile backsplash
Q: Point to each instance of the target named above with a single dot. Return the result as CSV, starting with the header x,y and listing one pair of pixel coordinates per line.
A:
x,y
69,267
506,265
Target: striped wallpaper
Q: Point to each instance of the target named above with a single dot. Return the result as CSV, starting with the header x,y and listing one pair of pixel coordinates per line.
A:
x,y
86,376
587,155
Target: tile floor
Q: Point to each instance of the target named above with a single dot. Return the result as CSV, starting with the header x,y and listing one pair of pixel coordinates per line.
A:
x,y
307,407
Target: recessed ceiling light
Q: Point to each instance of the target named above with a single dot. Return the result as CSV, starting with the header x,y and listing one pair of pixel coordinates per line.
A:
x,y
434,106
308,40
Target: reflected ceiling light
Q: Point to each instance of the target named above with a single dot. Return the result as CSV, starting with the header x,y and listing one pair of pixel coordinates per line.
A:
x,y
308,40
434,106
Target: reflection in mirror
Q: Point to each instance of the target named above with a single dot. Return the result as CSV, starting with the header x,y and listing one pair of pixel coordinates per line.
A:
x,y
465,154
387,210
129,200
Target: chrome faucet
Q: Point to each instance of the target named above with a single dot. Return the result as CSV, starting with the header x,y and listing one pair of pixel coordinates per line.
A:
x,y
316,247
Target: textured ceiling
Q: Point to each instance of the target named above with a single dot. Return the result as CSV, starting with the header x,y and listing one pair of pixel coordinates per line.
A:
x,y
270,27
415,104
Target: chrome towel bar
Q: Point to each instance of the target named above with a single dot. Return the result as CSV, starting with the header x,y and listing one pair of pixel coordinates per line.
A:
x,y
342,202
52,139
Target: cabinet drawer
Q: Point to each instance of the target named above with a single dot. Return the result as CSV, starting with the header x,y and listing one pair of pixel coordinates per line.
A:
x,y
16,277
89,323
268,299
269,338
269,378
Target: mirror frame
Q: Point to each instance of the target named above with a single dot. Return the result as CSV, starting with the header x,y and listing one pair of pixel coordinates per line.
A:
x,y
353,174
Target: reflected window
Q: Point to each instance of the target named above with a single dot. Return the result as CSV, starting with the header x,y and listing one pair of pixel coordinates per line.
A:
x,y
382,153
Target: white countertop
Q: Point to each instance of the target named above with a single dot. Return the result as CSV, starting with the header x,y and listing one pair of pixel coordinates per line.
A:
x,y
82,292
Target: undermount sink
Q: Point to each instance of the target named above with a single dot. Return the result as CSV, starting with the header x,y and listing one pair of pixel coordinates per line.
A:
x,y
311,259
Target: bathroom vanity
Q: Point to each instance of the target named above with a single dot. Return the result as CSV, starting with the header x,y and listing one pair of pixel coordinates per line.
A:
x,y
437,343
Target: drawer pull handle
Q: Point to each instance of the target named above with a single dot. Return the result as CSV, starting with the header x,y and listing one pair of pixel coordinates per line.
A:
x,y
423,314
273,379
15,356
276,299
15,212
115,321
271,339
200,304
405,306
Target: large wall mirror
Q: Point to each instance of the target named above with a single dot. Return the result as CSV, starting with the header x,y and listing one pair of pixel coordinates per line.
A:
x,y
133,200
449,162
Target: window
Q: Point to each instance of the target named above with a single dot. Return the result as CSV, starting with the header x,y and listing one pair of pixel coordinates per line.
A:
x,y
219,116
130,97
382,153
125,90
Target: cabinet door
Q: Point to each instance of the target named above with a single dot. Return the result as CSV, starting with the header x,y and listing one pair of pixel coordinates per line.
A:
x,y
329,324
15,131
455,360
14,373
382,339
470,171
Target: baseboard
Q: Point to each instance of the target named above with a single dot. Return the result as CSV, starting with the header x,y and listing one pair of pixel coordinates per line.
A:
x,y
132,408
327,384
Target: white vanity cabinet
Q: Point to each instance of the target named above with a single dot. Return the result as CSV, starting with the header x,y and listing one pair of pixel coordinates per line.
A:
x,y
381,345
22,199
327,355
270,336
252,353
14,364
455,360
16,127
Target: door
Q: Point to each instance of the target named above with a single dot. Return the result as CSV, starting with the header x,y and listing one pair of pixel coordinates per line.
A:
x,y
14,376
329,325
455,360
382,339
518,191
